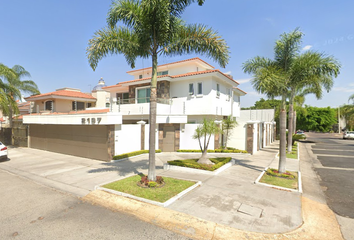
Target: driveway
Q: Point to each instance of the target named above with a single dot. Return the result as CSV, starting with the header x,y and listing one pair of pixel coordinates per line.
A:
x,y
72,174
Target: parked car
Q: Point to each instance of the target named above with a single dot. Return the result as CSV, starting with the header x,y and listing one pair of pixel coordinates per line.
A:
x,y
300,132
3,151
348,135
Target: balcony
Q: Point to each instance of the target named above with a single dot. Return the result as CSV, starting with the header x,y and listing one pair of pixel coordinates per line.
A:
x,y
205,105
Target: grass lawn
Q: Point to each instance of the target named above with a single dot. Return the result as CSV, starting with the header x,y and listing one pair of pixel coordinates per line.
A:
x,y
192,163
281,182
129,185
293,153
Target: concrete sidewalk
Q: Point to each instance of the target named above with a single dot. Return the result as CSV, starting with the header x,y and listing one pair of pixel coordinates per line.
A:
x,y
226,206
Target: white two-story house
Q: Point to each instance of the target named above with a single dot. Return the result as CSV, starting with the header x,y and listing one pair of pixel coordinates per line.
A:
x,y
116,118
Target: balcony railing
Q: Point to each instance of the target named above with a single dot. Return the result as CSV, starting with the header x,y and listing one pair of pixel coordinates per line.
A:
x,y
142,100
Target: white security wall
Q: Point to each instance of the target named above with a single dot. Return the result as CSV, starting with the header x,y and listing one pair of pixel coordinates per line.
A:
x,y
238,137
127,138
186,138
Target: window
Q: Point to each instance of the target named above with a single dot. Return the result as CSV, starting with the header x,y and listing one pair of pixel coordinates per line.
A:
x,y
229,94
78,106
140,76
217,90
191,89
162,73
125,98
48,105
200,89
89,105
107,104
143,95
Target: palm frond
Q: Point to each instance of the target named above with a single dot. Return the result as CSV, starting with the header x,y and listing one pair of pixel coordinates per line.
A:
x,y
114,41
199,39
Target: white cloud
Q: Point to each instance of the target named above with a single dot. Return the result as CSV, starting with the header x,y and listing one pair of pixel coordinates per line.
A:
x,y
244,80
229,72
343,89
307,47
351,84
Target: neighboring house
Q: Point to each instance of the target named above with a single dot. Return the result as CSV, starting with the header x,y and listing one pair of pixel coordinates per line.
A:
x,y
115,119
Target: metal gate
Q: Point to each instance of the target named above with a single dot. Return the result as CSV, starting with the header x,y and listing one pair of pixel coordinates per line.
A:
x,y
83,141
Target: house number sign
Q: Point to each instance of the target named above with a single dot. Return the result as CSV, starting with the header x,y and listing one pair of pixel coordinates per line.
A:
x,y
91,120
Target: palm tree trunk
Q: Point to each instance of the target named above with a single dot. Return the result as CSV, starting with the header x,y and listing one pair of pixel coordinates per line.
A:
x,y
282,144
290,122
294,122
152,119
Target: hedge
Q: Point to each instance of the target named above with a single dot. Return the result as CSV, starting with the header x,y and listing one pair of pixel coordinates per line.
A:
x,y
130,154
192,163
215,151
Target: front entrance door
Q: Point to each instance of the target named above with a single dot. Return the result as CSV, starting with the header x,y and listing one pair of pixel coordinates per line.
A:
x,y
168,143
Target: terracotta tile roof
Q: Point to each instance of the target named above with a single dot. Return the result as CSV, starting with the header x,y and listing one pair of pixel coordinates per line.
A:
x,y
241,90
2,120
64,93
183,75
119,88
186,60
92,111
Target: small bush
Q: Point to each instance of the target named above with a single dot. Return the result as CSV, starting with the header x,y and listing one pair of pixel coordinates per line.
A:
x,y
297,137
145,181
192,163
274,172
152,184
131,154
215,151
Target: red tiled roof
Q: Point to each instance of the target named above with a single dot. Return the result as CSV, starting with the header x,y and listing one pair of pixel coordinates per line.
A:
x,y
64,93
120,88
184,75
2,120
241,90
93,111
186,60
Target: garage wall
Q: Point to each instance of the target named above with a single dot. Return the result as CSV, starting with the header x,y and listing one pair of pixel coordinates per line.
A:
x,y
95,142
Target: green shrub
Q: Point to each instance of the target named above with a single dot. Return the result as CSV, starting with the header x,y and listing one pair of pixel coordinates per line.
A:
x,y
297,137
192,163
215,151
274,172
130,154
152,184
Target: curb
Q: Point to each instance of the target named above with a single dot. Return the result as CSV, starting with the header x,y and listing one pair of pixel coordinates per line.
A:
x,y
319,221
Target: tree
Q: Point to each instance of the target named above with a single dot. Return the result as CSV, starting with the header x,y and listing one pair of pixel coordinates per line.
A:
x,y
153,28
16,85
272,77
317,119
6,102
227,125
310,72
203,133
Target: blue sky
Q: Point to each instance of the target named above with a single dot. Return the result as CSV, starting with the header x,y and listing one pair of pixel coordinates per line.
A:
x,y
49,39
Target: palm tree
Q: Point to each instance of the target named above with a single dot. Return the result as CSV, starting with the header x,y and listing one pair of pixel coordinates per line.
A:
x,y
6,102
310,72
153,28
16,86
272,77
204,131
227,125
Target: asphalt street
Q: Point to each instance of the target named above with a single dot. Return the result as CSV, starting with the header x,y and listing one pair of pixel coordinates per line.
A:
x,y
32,211
337,171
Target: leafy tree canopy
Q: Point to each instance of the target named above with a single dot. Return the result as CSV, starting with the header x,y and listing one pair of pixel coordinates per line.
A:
x,y
317,119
